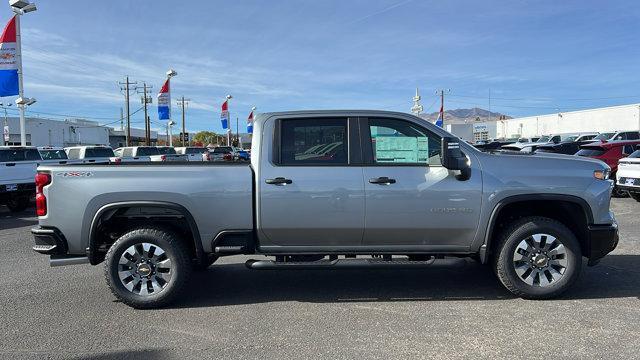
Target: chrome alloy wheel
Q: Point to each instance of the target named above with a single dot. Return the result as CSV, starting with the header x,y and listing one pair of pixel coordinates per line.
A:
x,y
540,260
144,269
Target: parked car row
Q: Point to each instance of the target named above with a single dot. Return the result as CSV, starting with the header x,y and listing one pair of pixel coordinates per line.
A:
x,y
609,147
18,164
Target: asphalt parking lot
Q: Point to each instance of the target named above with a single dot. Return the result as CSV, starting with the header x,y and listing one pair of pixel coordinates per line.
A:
x,y
232,312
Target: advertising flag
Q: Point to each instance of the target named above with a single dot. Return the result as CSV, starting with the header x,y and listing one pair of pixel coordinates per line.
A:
x,y
224,116
250,123
164,102
440,119
8,60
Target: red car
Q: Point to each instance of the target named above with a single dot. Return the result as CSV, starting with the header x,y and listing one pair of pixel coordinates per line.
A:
x,y
610,152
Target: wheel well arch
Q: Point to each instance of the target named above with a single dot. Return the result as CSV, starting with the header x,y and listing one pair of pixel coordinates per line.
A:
x,y
171,215
571,211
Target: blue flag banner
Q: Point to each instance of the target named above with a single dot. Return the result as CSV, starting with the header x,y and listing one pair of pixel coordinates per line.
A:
x,y
164,102
9,84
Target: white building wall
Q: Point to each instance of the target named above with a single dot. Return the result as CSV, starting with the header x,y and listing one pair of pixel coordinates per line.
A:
x,y
624,117
45,132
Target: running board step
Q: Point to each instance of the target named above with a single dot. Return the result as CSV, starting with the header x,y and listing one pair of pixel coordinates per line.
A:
x,y
229,249
348,264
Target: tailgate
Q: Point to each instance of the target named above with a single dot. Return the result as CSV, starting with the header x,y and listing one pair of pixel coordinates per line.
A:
x,y
17,172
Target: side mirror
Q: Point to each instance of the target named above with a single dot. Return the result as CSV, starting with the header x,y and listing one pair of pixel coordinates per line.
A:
x,y
454,159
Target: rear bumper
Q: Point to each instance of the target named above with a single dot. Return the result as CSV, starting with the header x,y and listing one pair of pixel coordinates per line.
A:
x,y
28,189
603,239
49,241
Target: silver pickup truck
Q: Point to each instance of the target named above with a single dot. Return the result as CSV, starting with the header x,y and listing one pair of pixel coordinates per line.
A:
x,y
331,190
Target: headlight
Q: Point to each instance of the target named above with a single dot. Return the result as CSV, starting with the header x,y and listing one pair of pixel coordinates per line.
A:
x,y
601,174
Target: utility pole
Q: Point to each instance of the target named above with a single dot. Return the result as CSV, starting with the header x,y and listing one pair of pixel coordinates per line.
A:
x,y
146,100
441,93
121,119
126,89
182,102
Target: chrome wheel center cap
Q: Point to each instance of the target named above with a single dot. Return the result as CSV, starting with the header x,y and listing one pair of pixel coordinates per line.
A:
x,y
540,260
144,269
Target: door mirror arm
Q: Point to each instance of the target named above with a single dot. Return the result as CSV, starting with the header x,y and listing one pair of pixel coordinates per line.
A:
x,y
454,159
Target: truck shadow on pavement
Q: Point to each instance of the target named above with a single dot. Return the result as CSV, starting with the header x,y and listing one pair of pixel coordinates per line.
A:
x,y
233,284
9,220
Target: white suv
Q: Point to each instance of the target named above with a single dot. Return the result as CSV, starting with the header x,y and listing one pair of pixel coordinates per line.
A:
x,y
628,175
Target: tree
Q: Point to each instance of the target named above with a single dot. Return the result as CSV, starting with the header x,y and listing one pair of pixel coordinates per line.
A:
x,y
206,137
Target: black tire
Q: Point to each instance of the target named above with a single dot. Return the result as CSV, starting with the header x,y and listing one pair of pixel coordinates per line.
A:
x,y
521,229
635,196
18,203
175,249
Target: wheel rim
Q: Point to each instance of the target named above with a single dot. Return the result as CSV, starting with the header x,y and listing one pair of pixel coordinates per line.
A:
x,y
540,260
144,269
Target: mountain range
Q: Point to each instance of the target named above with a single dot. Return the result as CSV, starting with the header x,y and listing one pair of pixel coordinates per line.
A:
x,y
457,116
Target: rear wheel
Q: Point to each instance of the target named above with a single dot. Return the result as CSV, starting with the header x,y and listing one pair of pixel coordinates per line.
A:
x,y
538,258
147,267
18,203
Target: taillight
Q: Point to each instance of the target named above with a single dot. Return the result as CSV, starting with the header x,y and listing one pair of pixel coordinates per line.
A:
x,y
207,157
163,157
117,160
42,180
227,157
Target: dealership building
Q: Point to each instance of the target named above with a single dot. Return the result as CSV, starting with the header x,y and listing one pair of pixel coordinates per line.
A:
x,y
70,132
607,119
623,117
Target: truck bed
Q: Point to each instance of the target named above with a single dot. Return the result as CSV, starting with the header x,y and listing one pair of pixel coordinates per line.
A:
x,y
219,196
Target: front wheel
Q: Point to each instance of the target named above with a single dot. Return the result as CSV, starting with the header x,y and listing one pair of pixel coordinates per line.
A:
x,y
538,258
147,267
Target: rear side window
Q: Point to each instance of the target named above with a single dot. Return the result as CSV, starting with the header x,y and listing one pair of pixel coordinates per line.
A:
x,y
627,150
590,151
313,142
11,155
98,152
633,135
128,152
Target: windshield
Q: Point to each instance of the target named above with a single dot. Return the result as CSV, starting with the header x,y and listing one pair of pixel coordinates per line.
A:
x,y
98,153
147,151
18,154
166,150
222,150
543,139
635,154
604,136
53,154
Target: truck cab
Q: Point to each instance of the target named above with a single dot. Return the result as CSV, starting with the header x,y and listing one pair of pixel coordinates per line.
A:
x,y
90,154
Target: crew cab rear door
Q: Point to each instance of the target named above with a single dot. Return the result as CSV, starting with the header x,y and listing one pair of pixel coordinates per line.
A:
x,y
412,201
310,186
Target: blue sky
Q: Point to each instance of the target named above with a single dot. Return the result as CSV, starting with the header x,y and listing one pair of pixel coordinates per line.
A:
x,y
533,56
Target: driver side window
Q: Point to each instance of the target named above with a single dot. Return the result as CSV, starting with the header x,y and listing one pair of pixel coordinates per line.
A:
x,y
402,142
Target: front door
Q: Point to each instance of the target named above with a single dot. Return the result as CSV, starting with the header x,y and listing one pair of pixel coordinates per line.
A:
x,y
311,195
411,200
